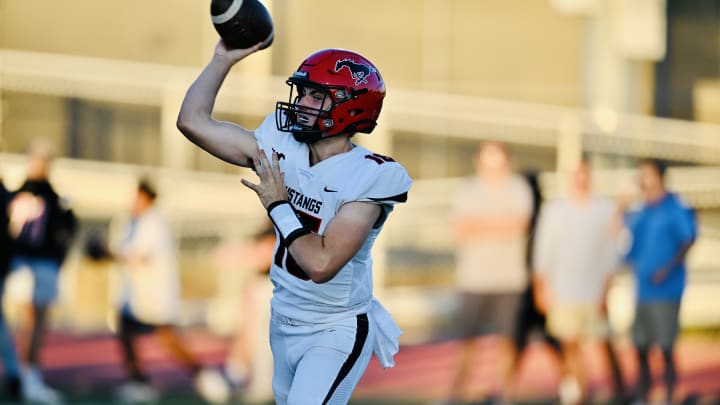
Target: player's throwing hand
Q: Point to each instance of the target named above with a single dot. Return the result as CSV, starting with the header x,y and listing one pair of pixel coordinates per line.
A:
x,y
234,55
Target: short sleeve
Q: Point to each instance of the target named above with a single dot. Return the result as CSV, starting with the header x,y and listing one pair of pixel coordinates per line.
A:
x,y
544,244
525,201
633,220
387,185
609,246
263,133
685,223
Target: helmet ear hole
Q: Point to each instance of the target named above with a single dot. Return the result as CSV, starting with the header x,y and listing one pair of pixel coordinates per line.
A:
x,y
341,95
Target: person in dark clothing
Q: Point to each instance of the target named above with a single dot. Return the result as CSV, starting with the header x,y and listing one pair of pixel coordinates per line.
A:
x,y
529,318
11,383
42,227
662,230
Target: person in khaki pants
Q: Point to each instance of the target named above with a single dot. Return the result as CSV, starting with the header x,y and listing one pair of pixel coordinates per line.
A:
x,y
574,260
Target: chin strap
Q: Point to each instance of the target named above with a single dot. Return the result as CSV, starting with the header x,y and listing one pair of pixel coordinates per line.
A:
x,y
308,137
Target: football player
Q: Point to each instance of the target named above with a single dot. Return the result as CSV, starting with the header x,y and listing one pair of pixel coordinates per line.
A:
x,y
328,199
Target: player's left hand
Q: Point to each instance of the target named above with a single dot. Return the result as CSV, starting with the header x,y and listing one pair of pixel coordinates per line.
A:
x,y
272,181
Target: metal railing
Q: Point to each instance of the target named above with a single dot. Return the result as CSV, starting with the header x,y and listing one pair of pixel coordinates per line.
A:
x,y
216,204
438,114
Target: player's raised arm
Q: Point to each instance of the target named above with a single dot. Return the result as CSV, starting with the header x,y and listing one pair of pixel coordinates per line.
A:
x,y
227,141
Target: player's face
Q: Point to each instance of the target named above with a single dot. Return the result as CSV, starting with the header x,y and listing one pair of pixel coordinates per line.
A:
x,y
314,99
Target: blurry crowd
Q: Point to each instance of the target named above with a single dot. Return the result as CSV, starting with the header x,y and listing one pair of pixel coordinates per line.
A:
x,y
523,262
37,231
523,265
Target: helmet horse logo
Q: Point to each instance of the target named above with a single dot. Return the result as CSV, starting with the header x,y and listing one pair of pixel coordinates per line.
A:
x,y
358,71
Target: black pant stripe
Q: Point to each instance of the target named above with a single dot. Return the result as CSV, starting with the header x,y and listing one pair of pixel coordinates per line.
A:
x,y
360,338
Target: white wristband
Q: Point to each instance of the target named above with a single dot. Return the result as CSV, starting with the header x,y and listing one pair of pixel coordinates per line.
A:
x,y
286,221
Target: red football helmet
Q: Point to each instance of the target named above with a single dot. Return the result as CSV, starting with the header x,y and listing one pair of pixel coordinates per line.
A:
x,y
352,83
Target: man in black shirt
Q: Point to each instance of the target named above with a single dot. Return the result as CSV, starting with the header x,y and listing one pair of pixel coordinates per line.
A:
x,y
41,226
11,384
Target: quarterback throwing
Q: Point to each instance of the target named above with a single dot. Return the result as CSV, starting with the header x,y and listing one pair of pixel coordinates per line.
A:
x,y
328,200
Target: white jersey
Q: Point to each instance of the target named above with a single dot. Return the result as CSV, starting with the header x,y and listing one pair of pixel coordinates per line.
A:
x,y
151,287
317,193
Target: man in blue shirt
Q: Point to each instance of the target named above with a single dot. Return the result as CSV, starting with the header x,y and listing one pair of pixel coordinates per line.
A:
x,y
662,232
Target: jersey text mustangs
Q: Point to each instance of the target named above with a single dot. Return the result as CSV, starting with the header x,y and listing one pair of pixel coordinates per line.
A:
x,y
317,193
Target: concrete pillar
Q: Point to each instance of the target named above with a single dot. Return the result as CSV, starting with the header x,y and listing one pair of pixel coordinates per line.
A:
x,y
435,43
569,149
2,104
175,149
2,115
606,71
623,39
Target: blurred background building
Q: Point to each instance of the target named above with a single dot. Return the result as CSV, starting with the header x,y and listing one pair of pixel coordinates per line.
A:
x,y
615,80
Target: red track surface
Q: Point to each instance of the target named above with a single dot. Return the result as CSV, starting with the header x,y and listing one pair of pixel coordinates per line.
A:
x,y
421,372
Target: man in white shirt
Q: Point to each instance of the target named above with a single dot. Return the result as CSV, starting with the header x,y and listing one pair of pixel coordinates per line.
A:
x,y
150,299
574,260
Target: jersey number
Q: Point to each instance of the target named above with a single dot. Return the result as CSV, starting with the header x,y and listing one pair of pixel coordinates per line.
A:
x,y
379,159
313,224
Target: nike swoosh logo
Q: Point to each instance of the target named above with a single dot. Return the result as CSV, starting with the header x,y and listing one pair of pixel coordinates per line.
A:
x,y
327,190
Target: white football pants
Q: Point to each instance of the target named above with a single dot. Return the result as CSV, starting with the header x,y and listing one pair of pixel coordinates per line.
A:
x,y
318,363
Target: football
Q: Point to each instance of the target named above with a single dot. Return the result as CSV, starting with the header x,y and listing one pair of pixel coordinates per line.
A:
x,y
242,23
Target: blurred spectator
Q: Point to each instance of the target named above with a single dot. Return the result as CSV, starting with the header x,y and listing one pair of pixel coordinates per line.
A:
x,y
11,383
150,299
42,227
491,216
257,255
574,260
662,232
529,319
